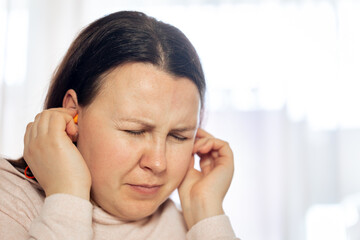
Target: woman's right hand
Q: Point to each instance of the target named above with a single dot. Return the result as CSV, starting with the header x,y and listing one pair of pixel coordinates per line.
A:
x,y
52,156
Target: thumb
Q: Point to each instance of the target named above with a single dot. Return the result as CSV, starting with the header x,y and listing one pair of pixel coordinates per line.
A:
x,y
191,177
72,129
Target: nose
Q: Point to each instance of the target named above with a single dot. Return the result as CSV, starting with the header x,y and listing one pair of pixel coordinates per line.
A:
x,y
154,157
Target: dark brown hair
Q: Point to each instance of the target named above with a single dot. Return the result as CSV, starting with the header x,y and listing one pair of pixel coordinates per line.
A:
x,y
114,40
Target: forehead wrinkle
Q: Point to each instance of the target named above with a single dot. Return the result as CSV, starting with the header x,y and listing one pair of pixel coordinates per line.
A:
x,y
137,121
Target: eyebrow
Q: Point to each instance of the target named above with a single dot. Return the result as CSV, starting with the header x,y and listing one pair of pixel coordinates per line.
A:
x,y
184,129
149,125
144,123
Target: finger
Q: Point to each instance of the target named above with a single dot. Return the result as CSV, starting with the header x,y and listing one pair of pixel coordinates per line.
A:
x,y
62,122
70,111
190,168
199,143
192,162
206,164
42,123
218,145
71,127
191,175
34,127
214,154
201,133
72,130
27,142
28,134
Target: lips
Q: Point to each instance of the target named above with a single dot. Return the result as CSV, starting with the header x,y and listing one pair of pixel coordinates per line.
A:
x,y
145,188
146,185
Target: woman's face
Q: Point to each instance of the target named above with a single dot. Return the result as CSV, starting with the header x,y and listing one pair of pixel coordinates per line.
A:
x,y
137,138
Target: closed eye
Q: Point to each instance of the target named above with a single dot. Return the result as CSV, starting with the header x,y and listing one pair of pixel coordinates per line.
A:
x,y
132,132
179,138
141,132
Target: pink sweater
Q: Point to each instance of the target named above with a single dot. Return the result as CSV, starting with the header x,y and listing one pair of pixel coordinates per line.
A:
x,y
25,213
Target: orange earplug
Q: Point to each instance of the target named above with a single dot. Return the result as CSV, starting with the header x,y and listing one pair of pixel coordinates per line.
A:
x,y
76,118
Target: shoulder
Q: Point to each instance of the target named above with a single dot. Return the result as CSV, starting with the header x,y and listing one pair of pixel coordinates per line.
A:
x,y
13,178
21,198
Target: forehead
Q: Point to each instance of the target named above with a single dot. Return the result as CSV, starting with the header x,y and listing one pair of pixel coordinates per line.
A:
x,y
147,88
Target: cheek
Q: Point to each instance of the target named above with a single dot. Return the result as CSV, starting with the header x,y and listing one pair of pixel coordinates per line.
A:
x,y
108,156
178,162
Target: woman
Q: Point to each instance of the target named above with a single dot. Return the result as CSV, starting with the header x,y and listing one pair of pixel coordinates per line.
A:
x,y
118,135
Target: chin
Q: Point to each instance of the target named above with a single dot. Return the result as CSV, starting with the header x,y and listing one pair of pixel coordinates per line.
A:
x,y
128,208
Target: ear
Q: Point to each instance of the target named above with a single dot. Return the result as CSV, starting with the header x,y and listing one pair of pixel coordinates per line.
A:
x,y
70,100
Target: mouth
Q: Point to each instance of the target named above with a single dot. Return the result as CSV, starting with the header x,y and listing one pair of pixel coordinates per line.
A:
x,y
145,188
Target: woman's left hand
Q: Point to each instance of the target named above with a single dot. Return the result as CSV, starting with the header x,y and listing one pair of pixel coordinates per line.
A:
x,y
202,193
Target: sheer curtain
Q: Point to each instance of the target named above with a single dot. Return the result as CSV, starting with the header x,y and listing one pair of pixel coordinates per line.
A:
x,y
283,83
